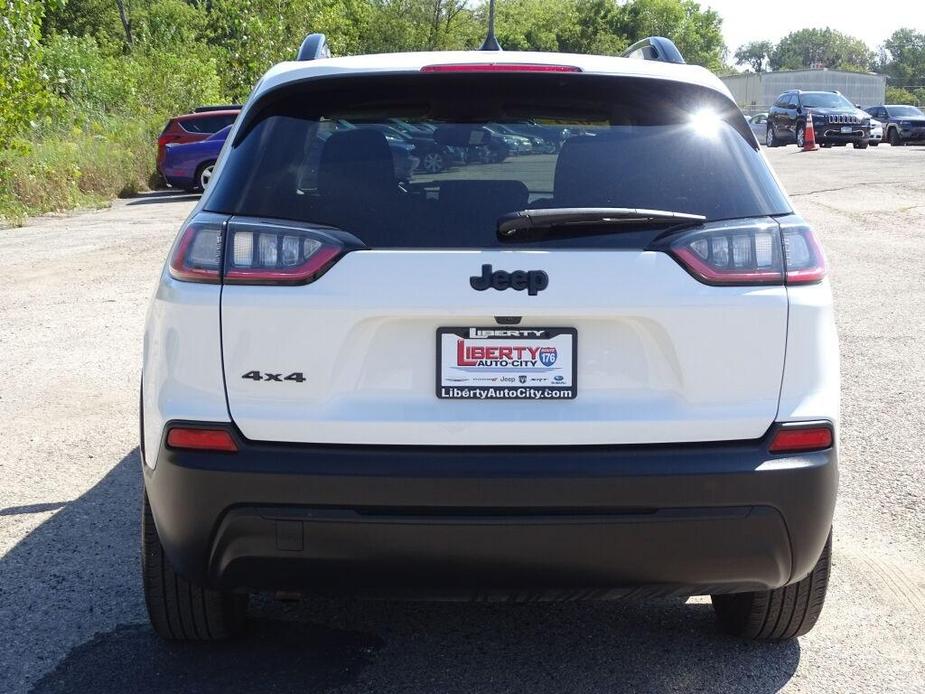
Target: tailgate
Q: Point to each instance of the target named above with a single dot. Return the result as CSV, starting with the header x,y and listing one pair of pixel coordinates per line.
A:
x,y
659,357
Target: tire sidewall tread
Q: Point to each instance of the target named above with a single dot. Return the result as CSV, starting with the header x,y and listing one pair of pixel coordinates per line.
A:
x,y
178,609
781,613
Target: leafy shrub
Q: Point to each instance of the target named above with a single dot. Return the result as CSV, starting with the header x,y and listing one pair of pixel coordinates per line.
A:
x,y
22,94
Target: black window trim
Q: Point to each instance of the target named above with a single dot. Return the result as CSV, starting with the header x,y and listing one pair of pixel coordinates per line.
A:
x,y
253,112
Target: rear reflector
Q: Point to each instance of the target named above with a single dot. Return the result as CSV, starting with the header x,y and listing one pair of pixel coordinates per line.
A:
x,y
201,439
500,67
801,439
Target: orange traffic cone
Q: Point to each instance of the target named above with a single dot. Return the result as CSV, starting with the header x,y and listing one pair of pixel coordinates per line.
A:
x,y
809,134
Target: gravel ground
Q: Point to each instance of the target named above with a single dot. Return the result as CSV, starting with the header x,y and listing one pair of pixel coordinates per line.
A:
x,y
71,611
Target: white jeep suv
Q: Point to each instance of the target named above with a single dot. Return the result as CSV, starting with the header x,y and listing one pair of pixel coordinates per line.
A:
x,y
601,371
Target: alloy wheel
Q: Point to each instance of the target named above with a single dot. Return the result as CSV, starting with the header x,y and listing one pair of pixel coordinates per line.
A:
x,y
205,176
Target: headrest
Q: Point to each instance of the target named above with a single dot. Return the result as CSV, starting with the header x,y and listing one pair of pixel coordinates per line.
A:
x,y
354,162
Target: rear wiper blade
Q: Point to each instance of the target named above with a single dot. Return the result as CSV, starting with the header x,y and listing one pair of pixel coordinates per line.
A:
x,y
511,224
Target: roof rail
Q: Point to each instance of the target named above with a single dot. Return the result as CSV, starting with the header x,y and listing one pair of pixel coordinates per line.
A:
x,y
655,48
314,47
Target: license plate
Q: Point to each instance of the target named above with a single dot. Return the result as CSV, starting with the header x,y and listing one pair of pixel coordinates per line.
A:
x,y
506,363
846,128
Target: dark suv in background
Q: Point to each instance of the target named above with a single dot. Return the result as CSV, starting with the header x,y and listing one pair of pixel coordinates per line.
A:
x,y
836,120
901,124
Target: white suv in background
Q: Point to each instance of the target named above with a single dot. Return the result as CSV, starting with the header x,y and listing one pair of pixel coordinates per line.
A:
x,y
607,370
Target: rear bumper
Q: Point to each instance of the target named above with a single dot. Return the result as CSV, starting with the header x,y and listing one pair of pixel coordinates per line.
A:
x,y
175,181
541,521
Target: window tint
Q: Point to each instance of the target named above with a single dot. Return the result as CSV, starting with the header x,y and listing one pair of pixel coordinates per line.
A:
x,y
793,101
825,100
906,112
335,157
208,124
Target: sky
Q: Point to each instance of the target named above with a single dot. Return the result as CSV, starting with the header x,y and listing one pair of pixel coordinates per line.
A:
x,y
872,21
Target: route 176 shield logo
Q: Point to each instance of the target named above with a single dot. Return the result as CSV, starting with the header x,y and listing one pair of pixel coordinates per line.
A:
x,y
548,355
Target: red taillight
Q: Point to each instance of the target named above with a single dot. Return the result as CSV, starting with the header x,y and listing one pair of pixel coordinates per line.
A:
x,y
751,255
257,252
731,255
803,257
201,439
197,254
499,67
267,254
801,438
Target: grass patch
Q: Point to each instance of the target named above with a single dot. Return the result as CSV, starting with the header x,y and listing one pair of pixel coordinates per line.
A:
x,y
83,167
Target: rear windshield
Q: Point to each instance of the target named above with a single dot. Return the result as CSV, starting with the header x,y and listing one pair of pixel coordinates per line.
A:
x,y
435,160
206,124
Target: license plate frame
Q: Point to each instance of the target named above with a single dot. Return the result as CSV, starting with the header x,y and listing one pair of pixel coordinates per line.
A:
x,y
847,129
546,363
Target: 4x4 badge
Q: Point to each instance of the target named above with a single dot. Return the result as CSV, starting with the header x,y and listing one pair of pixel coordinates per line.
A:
x,y
534,281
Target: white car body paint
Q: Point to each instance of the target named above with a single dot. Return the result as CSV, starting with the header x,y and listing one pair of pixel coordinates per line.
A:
x,y
661,357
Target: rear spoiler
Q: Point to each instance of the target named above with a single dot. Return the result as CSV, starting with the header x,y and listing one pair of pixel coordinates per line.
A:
x,y
217,107
654,48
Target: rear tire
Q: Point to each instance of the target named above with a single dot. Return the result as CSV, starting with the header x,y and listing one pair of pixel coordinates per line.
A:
x,y
779,614
894,138
801,136
180,610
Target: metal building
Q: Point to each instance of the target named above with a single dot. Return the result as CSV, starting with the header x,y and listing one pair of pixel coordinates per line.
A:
x,y
756,92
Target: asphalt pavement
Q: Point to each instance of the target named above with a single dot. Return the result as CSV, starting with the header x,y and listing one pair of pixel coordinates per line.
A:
x,y
72,617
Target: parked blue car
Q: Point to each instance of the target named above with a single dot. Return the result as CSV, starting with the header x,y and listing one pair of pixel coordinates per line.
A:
x,y
189,165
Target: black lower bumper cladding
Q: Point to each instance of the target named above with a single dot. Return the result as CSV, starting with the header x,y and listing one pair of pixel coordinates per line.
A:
x,y
555,520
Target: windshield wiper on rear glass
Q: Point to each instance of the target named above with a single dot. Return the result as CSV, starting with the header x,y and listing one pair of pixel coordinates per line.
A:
x,y
512,226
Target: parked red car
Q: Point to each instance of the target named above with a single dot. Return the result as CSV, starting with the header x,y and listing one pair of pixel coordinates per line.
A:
x,y
193,127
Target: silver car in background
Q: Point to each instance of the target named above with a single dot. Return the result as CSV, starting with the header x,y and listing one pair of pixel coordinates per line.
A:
x,y
759,125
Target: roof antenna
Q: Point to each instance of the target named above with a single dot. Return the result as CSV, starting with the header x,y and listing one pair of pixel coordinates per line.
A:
x,y
491,43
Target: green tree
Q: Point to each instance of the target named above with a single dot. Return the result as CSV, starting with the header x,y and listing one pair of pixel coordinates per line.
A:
x,y
696,32
902,58
418,25
754,54
809,48
598,28
900,95
606,27
530,25
22,91
96,18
